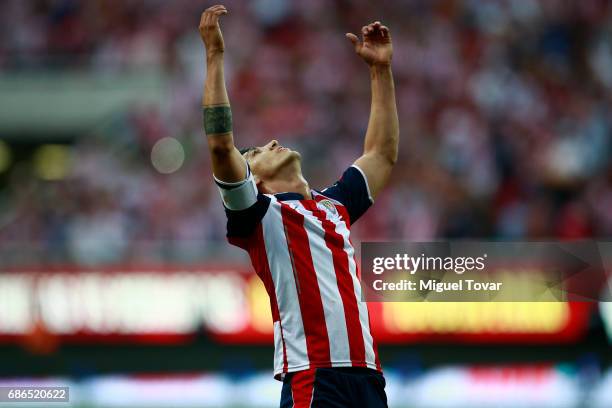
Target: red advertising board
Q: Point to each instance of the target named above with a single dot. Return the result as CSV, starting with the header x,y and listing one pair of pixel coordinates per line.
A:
x,y
229,303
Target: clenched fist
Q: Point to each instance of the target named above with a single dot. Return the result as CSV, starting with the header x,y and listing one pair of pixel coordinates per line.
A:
x,y
375,47
210,30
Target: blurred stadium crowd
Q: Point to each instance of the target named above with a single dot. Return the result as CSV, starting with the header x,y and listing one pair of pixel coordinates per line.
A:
x,y
504,105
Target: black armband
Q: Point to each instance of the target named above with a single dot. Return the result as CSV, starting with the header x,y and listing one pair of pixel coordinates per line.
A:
x,y
217,119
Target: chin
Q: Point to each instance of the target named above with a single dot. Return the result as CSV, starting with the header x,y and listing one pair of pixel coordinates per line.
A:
x,y
296,155
290,159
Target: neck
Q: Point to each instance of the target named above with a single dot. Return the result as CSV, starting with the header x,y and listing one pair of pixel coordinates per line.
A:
x,y
297,185
289,182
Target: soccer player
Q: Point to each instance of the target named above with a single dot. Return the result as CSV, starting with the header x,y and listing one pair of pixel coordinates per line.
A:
x,y
298,238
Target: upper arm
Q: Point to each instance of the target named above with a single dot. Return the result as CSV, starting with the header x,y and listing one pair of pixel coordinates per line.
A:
x,y
243,223
227,163
244,208
377,170
352,191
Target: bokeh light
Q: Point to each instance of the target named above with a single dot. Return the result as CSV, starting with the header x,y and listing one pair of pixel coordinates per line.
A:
x,y
167,155
5,156
52,162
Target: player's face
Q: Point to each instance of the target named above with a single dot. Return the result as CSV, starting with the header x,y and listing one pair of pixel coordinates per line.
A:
x,y
267,161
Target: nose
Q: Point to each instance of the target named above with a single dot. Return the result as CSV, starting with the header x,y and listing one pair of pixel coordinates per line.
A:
x,y
273,143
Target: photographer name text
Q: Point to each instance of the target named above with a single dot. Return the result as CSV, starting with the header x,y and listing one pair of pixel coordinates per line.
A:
x,y
436,286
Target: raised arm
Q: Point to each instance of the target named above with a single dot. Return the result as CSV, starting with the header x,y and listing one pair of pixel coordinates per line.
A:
x,y
382,136
227,162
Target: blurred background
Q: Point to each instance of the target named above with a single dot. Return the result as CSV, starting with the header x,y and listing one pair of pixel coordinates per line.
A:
x,y
115,276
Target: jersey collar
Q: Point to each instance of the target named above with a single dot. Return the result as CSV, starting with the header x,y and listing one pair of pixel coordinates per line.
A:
x,y
292,196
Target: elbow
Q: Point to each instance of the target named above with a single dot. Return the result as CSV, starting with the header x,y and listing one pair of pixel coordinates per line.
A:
x,y
390,157
383,158
220,148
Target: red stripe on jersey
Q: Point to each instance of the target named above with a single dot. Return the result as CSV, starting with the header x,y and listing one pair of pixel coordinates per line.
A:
x,y
302,388
309,296
374,345
335,243
345,216
259,258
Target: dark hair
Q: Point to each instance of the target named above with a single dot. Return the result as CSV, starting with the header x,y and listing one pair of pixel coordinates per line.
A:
x,y
246,150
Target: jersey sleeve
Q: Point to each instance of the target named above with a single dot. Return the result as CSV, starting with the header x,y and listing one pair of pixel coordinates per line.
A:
x,y
352,191
244,209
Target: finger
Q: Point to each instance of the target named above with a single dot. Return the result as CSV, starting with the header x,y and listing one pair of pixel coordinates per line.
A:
x,y
370,33
219,14
203,19
375,29
214,19
211,11
354,40
364,32
357,45
352,37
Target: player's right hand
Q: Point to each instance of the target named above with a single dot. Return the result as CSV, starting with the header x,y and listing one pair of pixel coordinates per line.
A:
x,y
210,30
376,47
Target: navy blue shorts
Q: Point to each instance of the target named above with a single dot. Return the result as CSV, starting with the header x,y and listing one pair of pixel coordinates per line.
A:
x,y
334,388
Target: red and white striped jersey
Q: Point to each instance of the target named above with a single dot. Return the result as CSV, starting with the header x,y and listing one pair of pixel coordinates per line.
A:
x,y
301,249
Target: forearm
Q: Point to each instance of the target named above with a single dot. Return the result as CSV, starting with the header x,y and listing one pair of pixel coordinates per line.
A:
x,y
382,136
228,165
215,92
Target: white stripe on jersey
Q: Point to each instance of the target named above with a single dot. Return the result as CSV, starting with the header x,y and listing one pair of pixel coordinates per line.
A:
x,y
342,229
279,261
278,347
323,263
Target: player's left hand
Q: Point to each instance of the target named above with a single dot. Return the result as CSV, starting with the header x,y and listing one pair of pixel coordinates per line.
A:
x,y
375,47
